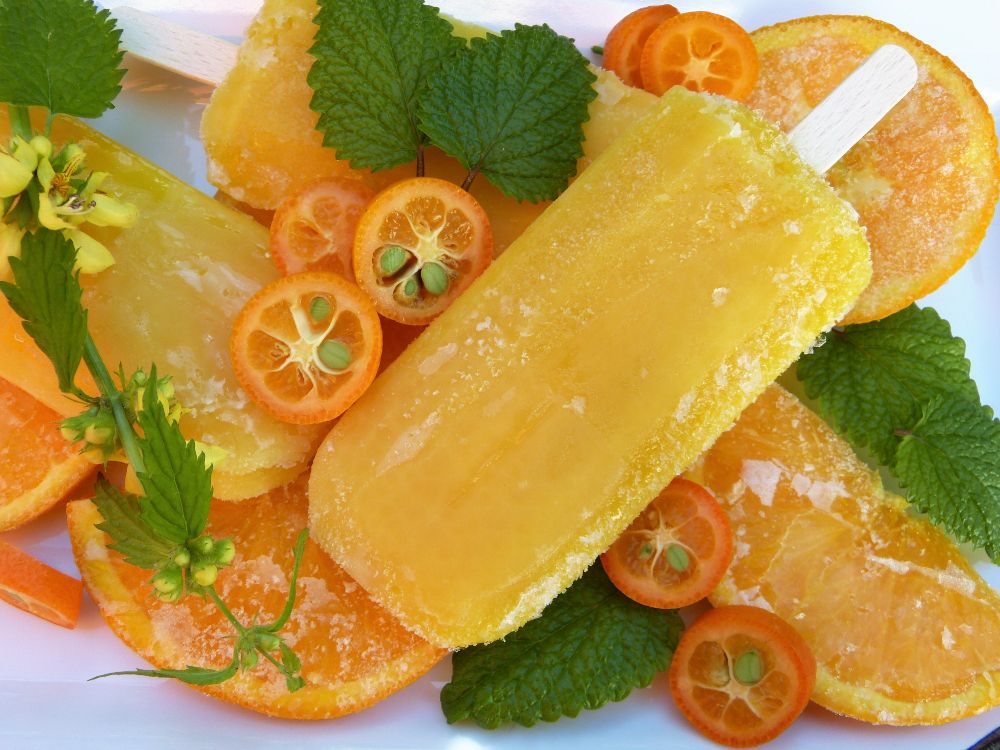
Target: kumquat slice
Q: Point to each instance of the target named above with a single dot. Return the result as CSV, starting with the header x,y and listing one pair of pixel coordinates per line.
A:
x,y
306,346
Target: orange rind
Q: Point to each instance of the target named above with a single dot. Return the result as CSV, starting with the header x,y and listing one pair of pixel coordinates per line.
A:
x,y
38,468
924,181
353,652
904,631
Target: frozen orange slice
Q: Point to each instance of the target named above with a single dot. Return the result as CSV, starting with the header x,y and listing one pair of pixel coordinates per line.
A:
x,y
904,631
38,468
353,652
925,180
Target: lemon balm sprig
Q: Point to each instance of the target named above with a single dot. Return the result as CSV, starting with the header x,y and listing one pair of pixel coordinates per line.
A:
x,y
161,528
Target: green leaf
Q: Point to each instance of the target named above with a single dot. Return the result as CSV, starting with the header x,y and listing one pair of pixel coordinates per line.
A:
x,y
59,54
512,108
950,466
371,63
590,646
177,483
46,294
191,675
130,534
873,379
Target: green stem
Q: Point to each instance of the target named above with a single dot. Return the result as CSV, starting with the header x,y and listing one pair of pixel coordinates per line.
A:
x,y
20,121
214,595
107,387
275,662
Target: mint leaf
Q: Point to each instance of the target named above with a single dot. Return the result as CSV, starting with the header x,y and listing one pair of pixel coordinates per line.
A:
x,y
46,294
177,483
874,379
950,466
59,54
130,534
372,61
512,107
590,646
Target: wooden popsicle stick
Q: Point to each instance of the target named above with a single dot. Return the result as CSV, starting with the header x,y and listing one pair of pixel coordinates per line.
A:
x,y
854,107
822,138
177,48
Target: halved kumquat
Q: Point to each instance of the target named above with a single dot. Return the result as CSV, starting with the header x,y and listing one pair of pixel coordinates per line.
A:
x,y
419,245
313,229
741,675
33,586
306,346
703,52
675,552
623,47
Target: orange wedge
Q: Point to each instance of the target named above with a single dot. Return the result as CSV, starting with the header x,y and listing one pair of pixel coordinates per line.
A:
x,y
353,652
33,586
925,180
38,468
904,631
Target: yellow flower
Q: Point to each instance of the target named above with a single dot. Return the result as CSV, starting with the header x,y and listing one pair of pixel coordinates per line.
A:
x,y
91,255
14,176
10,246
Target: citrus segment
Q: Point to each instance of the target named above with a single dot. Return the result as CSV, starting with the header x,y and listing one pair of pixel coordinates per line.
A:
x,y
623,47
703,52
306,346
903,630
924,181
675,552
419,245
313,229
38,468
741,675
33,586
353,652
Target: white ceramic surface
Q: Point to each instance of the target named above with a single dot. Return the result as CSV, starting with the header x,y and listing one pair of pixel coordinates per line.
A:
x,y
45,701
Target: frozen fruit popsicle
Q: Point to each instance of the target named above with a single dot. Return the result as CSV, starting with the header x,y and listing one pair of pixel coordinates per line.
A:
x,y
633,321
181,276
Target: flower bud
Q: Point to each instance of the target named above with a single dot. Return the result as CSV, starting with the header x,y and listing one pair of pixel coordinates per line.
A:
x,y
21,150
46,174
168,580
268,641
249,659
169,597
91,255
183,558
203,545
94,455
225,551
99,435
204,573
111,212
14,176
42,146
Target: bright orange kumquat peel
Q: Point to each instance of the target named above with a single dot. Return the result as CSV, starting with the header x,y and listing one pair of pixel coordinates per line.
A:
x,y
419,245
306,346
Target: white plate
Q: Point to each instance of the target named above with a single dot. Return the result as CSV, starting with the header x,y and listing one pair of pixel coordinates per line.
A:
x,y
45,701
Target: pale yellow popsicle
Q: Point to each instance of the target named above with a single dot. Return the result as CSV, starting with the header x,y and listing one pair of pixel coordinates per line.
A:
x,y
182,274
687,267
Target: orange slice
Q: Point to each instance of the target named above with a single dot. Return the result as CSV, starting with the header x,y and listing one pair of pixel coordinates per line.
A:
x,y
306,346
419,245
701,51
925,180
38,468
33,586
353,652
903,630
